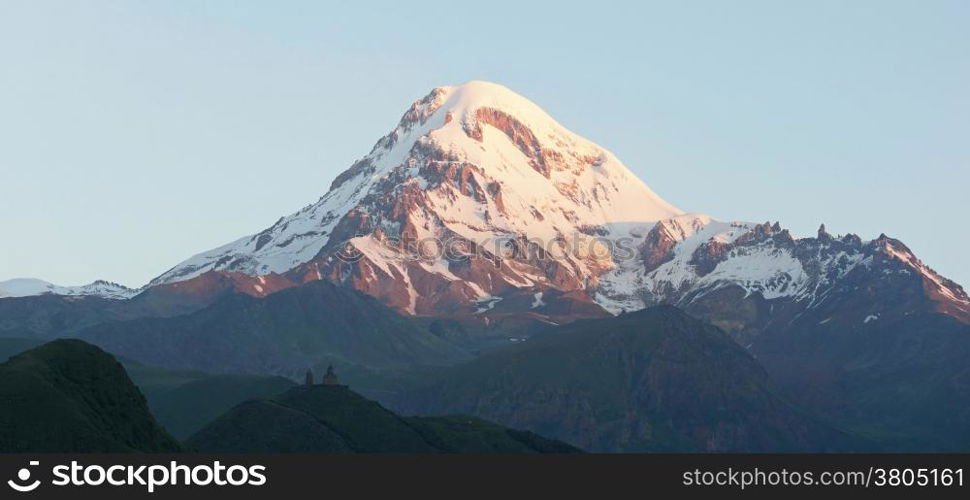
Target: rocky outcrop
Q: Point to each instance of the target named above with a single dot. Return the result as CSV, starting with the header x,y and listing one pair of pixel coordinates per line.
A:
x,y
752,278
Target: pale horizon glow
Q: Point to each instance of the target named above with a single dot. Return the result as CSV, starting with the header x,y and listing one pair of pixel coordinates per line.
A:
x,y
134,135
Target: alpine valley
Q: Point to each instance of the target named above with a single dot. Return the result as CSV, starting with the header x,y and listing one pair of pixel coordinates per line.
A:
x,y
483,259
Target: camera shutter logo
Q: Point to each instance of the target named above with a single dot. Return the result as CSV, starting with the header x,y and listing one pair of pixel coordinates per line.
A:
x,y
23,475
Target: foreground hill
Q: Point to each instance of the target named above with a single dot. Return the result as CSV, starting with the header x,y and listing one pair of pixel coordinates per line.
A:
x,y
182,401
651,381
69,396
334,419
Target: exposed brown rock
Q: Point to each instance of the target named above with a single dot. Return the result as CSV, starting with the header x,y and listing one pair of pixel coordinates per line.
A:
x,y
517,132
708,255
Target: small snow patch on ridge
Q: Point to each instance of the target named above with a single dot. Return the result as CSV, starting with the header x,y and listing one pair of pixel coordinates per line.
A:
x,y
486,303
537,300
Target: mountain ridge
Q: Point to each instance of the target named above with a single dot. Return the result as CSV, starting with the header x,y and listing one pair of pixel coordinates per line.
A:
x,y
653,380
27,287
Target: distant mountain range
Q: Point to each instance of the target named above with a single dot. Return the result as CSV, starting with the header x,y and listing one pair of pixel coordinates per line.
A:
x,y
480,239
27,287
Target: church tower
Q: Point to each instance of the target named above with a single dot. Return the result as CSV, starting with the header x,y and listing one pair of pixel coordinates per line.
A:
x,y
330,378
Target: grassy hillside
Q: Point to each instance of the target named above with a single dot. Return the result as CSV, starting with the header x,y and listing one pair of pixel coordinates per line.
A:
x,y
70,396
322,419
185,409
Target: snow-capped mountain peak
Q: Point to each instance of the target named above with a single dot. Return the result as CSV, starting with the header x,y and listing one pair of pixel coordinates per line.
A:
x,y
486,163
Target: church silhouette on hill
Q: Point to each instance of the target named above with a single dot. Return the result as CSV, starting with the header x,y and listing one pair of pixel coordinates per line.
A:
x,y
329,379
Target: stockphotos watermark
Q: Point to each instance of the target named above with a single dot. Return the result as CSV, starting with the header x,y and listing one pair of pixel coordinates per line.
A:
x,y
580,246
150,477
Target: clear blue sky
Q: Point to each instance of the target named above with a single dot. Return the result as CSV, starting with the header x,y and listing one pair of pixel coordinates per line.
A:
x,y
135,134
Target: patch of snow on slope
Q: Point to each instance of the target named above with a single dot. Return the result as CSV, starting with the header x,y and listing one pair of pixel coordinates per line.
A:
x,y
486,303
772,272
